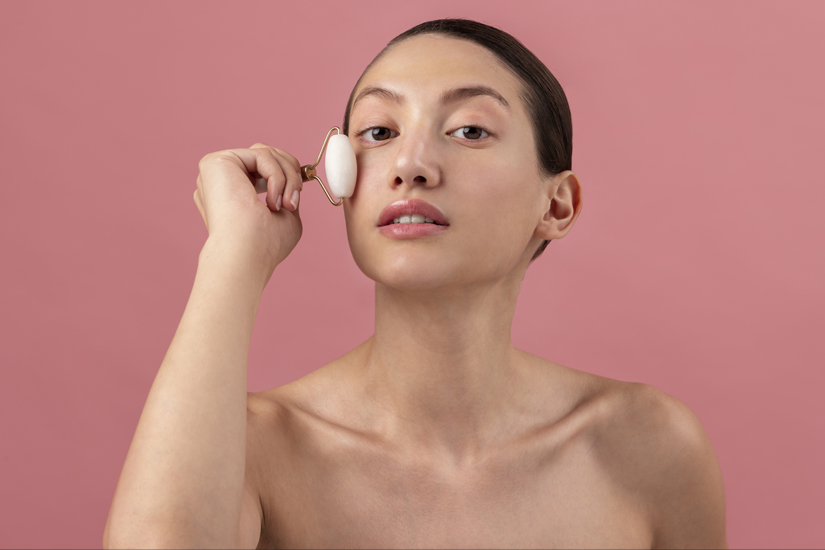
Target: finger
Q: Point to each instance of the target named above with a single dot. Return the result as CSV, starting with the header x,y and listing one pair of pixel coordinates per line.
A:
x,y
291,168
275,185
255,161
294,185
272,178
199,204
292,160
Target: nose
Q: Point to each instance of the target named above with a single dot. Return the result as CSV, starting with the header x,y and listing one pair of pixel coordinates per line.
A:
x,y
416,161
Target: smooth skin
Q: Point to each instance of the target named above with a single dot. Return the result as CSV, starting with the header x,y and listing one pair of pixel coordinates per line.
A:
x,y
436,431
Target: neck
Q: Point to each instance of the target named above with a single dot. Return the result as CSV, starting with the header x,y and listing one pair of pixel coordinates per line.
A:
x,y
442,363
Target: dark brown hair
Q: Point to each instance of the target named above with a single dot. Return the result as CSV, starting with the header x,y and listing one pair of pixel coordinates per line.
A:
x,y
542,94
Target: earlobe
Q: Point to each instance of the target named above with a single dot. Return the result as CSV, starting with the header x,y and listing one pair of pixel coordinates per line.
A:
x,y
565,206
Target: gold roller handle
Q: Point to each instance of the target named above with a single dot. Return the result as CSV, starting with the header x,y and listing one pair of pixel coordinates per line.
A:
x,y
308,171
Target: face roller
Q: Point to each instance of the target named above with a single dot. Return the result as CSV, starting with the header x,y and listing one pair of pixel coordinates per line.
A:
x,y
340,166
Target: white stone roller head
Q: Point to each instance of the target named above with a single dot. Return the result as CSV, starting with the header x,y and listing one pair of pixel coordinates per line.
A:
x,y
340,166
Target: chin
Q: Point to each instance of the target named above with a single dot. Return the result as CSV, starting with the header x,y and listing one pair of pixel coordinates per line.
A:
x,y
412,282
414,270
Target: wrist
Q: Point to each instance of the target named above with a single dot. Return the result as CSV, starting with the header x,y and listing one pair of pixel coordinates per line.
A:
x,y
236,262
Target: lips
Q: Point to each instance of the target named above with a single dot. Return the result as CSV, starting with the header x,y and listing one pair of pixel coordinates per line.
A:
x,y
409,207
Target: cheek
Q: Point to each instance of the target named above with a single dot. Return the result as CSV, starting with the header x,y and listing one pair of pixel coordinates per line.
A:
x,y
504,207
504,194
371,167
354,219
360,216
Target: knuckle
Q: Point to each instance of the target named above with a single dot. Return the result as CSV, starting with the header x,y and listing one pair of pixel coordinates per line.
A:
x,y
288,156
216,157
295,177
206,159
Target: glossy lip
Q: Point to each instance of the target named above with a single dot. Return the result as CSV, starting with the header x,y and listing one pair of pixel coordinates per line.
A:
x,y
411,230
408,207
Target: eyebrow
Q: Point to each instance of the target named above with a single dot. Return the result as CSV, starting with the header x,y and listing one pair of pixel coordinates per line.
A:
x,y
450,96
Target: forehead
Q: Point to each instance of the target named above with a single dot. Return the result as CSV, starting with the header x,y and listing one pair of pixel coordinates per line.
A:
x,y
433,63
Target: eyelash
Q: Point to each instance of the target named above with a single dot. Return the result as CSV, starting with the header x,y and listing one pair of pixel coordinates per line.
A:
x,y
482,128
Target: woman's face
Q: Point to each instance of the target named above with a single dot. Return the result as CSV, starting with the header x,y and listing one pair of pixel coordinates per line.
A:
x,y
438,122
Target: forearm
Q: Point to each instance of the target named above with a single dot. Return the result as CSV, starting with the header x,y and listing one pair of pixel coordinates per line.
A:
x,y
183,477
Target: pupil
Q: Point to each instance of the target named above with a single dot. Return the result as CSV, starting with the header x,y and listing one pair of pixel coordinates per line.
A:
x,y
380,133
472,133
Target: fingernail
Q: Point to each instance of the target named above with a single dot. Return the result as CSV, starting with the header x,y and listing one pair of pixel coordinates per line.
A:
x,y
296,196
278,203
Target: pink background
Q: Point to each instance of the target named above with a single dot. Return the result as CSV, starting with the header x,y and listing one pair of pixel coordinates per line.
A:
x,y
696,265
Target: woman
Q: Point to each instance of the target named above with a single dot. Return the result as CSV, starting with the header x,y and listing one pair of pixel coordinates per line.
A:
x,y
436,431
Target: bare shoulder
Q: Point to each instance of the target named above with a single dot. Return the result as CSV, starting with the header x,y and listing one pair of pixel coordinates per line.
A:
x,y
266,430
650,446
274,425
655,447
311,395
272,414
317,402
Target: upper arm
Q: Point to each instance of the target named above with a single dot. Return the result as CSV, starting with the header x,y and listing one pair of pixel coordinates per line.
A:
x,y
249,529
659,452
251,522
692,499
687,493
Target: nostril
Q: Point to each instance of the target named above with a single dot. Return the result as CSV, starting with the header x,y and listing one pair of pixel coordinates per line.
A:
x,y
417,179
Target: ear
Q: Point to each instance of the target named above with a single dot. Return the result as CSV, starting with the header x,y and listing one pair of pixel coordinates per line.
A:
x,y
565,194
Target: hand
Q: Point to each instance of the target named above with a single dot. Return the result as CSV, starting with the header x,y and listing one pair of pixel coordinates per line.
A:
x,y
264,234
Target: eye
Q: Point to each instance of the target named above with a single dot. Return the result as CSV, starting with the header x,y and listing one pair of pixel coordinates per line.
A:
x,y
377,133
472,133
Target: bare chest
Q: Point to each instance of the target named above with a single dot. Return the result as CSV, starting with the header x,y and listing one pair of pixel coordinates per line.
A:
x,y
369,500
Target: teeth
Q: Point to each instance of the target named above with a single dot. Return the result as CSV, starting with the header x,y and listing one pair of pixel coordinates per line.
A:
x,y
414,218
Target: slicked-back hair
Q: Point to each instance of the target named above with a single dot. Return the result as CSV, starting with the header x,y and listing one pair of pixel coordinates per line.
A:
x,y
541,93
